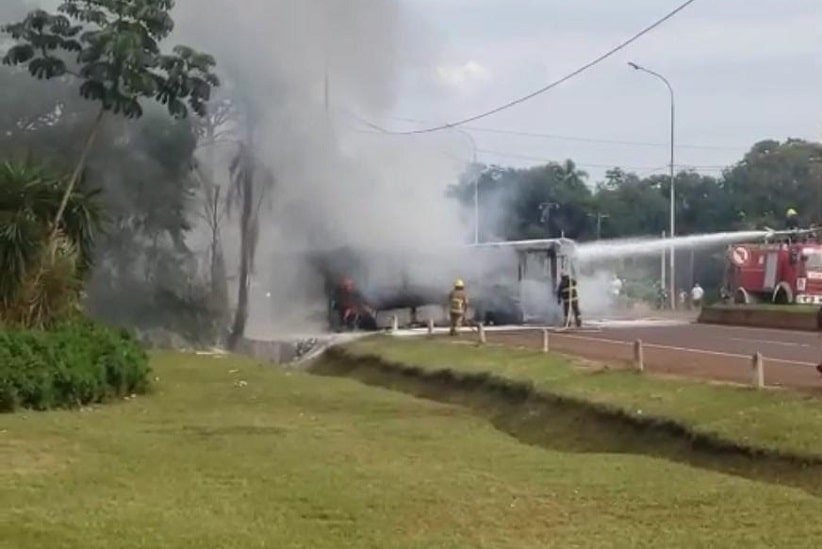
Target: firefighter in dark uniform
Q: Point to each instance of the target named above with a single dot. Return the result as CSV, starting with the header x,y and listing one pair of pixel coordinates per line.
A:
x,y
568,296
819,330
792,225
791,220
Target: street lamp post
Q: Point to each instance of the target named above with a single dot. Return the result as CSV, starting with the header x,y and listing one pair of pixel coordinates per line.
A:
x,y
545,217
476,177
672,230
599,217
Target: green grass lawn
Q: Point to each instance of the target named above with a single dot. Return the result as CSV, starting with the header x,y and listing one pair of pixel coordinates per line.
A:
x,y
773,420
293,460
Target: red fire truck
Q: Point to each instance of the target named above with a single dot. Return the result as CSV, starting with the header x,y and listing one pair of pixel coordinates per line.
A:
x,y
788,271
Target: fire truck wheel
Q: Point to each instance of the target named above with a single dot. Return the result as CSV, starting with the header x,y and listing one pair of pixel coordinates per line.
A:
x,y
781,297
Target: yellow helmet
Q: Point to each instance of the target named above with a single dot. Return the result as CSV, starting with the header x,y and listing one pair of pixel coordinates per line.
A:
x,y
459,283
791,212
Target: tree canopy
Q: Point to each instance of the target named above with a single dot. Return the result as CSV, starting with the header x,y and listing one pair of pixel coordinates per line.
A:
x,y
557,198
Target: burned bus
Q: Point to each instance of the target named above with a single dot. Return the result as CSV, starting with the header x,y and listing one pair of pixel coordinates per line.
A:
x,y
509,283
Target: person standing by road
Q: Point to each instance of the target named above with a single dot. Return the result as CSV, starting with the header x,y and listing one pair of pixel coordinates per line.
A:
x,y
616,290
697,293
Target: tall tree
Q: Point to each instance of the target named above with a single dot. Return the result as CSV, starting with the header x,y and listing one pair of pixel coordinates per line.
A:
x,y
251,185
117,61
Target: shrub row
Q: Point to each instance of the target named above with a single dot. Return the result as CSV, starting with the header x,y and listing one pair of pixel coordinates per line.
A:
x,y
74,364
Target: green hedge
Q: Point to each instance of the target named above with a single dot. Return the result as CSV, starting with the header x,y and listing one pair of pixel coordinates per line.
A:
x,y
75,364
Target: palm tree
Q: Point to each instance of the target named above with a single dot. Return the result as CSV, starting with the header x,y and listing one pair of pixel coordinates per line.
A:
x,y
42,277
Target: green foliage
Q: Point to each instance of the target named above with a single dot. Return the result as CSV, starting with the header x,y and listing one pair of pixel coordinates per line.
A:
x,y
117,56
75,364
41,279
753,193
549,200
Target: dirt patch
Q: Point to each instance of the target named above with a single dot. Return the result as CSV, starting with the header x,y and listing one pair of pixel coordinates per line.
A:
x,y
27,457
753,317
571,425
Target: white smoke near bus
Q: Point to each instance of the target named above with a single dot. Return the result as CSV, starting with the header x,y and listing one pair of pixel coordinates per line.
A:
x,y
311,71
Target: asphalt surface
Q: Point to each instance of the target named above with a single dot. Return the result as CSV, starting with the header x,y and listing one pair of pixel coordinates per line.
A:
x,y
790,347
720,353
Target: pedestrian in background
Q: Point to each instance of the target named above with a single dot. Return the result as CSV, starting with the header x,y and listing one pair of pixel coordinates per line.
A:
x,y
697,293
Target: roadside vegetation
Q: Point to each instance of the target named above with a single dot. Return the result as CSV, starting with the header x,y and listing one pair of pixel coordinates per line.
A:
x,y
778,421
226,453
106,55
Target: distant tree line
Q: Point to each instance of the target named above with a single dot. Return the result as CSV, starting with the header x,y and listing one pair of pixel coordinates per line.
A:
x,y
559,199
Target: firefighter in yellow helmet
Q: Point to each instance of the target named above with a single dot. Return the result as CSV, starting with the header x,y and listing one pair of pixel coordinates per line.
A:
x,y
792,225
457,306
791,220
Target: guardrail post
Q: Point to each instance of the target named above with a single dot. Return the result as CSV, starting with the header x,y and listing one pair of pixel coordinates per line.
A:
x,y
639,356
546,346
481,330
430,326
758,370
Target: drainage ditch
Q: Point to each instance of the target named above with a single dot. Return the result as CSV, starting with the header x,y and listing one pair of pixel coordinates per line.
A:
x,y
568,425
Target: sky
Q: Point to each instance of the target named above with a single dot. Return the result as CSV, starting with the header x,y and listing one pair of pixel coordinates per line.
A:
x,y
742,71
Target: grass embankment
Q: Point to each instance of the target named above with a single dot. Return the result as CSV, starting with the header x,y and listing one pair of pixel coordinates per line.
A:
x,y
773,421
294,460
794,308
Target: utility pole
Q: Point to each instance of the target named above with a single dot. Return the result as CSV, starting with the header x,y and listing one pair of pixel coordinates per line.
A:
x,y
475,176
599,217
662,266
672,232
327,92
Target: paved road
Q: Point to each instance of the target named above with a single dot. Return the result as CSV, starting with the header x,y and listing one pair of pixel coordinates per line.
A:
x,y
799,347
705,351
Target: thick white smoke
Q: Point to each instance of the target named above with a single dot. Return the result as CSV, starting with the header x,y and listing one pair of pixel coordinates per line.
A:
x,y
307,71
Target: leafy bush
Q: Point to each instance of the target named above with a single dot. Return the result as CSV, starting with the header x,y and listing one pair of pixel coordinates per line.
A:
x,y
74,364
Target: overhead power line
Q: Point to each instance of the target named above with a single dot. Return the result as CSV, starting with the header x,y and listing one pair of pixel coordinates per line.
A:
x,y
580,139
379,129
548,160
556,83
602,166
644,170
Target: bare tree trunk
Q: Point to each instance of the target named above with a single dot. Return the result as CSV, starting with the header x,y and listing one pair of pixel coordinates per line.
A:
x,y
246,251
75,177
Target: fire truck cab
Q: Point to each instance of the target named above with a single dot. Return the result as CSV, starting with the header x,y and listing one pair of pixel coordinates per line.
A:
x,y
777,272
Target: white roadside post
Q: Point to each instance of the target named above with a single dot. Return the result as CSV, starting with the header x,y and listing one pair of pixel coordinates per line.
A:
x,y
481,329
545,342
430,326
758,370
639,356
